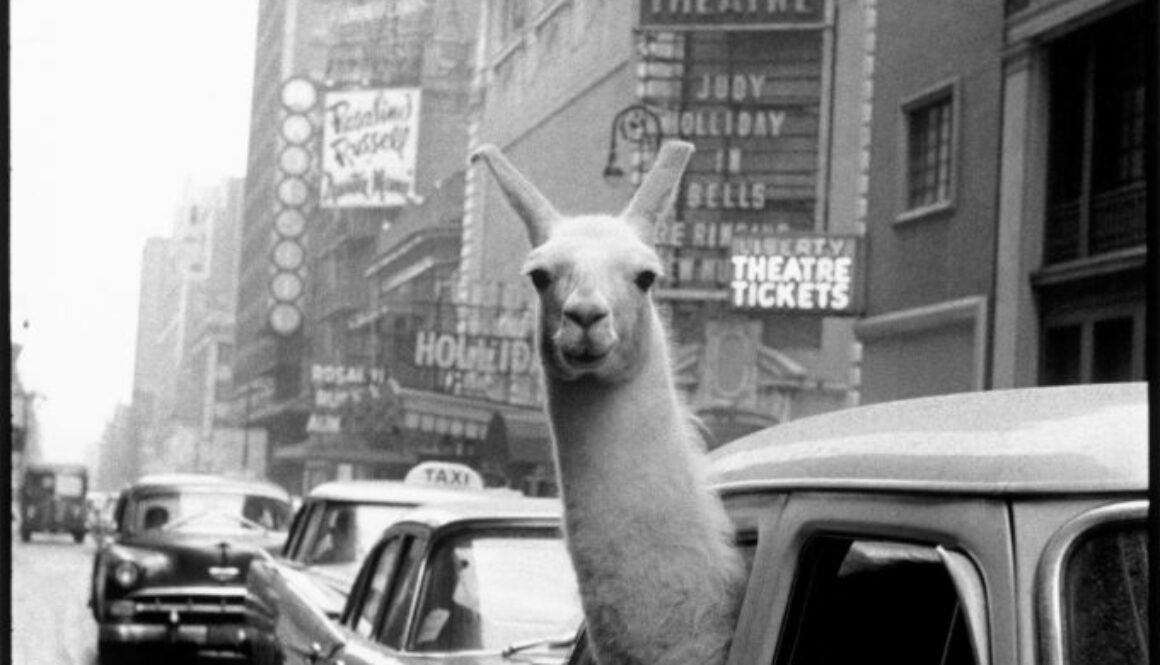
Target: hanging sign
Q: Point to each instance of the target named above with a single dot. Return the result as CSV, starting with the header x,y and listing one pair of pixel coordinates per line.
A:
x,y
445,474
800,273
728,14
370,140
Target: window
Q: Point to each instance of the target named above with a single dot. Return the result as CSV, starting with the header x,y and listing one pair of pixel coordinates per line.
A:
x,y
376,590
929,148
1093,346
1096,187
1106,598
488,590
399,606
864,601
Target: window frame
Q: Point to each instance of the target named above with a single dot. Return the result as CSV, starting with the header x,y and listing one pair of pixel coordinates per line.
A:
x,y
975,527
949,89
352,612
1087,318
1052,569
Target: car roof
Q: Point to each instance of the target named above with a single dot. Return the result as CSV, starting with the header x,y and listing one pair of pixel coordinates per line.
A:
x,y
209,482
1091,438
389,492
485,508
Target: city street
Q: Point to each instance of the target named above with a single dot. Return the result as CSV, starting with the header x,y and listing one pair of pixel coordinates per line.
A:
x,y
51,624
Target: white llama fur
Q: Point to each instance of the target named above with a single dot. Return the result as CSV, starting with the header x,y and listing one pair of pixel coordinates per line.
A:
x,y
660,581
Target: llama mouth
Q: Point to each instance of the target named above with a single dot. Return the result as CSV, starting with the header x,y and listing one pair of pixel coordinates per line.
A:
x,y
583,358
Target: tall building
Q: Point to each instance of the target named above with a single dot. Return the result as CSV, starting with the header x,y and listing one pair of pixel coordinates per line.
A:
x,y
1007,210
182,383
315,212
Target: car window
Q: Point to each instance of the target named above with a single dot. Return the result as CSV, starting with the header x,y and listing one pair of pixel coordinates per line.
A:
x,y
491,589
309,533
866,601
70,485
346,531
1106,597
399,603
375,589
207,511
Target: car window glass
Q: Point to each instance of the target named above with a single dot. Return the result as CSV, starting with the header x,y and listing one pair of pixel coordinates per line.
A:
x,y
375,591
70,485
297,526
310,533
1106,597
349,530
207,511
399,603
874,602
491,589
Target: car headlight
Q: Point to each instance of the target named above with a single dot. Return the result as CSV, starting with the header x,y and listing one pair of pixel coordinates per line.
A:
x,y
126,573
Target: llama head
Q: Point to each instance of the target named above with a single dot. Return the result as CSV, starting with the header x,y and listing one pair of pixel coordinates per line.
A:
x,y
593,273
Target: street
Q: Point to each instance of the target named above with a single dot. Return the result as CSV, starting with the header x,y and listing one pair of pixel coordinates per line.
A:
x,y
51,624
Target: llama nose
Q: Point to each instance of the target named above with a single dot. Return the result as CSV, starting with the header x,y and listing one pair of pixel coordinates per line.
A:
x,y
586,313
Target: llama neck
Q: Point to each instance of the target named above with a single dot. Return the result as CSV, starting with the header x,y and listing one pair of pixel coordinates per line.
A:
x,y
634,434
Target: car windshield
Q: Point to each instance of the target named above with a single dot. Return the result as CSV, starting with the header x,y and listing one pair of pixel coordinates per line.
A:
x,y
344,532
489,591
1106,598
208,511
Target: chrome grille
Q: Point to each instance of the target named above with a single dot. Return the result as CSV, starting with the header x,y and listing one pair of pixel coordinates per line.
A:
x,y
189,608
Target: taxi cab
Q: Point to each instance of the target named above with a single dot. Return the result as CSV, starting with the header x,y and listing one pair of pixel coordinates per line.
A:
x,y
1003,527
332,532
484,581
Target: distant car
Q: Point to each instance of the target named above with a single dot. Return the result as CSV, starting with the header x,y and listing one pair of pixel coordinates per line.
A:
x,y
1003,528
53,500
335,527
488,581
170,577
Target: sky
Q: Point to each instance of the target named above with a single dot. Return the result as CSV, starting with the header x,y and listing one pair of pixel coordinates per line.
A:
x,y
115,105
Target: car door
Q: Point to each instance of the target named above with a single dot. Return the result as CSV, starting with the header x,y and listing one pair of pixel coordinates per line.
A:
x,y
862,577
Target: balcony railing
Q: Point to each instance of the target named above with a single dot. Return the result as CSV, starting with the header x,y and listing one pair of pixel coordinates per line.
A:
x,y
1115,220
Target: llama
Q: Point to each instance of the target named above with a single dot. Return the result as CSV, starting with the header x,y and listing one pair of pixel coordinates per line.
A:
x,y
660,581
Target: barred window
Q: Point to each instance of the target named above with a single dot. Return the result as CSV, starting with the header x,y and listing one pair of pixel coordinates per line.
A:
x,y
929,134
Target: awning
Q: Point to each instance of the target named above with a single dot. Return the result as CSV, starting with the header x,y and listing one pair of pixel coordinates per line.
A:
x,y
329,452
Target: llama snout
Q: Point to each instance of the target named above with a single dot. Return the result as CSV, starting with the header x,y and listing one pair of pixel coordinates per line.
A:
x,y
586,335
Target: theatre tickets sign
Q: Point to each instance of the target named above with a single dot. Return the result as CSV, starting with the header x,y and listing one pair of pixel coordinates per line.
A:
x,y
800,273
370,140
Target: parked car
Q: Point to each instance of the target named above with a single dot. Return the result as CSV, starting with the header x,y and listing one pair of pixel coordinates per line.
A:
x,y
53,500
486,581
171,575
1003,527
336,526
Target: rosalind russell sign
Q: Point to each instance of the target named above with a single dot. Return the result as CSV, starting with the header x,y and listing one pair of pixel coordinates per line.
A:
x,y
802,273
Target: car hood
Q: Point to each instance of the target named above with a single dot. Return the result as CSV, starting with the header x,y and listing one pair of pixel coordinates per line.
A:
x,y
180,559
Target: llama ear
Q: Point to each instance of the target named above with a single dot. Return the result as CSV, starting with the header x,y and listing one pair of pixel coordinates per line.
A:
x,y
659,188
532,207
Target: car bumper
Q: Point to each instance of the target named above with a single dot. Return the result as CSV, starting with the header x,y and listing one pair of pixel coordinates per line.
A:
x,y
236,637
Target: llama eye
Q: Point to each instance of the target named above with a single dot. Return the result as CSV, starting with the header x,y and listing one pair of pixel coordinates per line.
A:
x,y
645,279
540,279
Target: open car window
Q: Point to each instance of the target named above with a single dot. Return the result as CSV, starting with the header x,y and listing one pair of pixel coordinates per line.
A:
x,y
875,601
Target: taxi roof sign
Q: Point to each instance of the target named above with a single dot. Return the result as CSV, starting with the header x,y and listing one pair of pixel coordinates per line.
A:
x,y
445,474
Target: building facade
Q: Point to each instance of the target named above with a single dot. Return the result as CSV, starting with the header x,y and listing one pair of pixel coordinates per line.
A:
x,y
1007,216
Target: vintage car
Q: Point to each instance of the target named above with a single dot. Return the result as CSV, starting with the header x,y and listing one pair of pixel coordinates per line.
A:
x,y
170,577
486,581
53,500
1002,527
332,531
